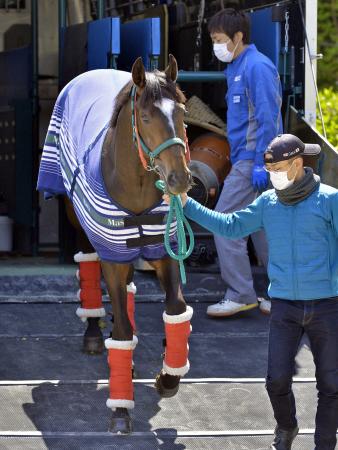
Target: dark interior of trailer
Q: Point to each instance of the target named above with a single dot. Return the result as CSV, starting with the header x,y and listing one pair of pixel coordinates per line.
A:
x,y
110,38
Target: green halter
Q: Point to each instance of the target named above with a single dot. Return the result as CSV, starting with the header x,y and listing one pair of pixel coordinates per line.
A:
x,y
137,138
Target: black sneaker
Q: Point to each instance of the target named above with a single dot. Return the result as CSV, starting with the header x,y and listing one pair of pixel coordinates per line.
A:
x,y
283,438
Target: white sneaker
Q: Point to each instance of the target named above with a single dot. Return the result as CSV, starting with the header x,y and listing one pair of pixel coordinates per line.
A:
x,y
264,305
226,308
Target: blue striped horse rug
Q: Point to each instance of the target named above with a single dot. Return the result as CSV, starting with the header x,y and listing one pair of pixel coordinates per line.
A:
x,y
71,165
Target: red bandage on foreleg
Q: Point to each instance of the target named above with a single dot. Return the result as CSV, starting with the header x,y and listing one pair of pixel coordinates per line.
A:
x,y
177,332
131,291
120,356
89,276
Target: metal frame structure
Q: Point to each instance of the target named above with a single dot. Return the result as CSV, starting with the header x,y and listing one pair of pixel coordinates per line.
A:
x,y
310,59
306,105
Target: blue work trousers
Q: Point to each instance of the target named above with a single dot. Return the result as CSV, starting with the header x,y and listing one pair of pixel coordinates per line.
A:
x,y
289,320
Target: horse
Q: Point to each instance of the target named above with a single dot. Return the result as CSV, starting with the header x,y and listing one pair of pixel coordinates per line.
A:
x,y
143,140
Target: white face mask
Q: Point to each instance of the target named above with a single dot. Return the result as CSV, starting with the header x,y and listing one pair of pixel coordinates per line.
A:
x,y
222,53
280,180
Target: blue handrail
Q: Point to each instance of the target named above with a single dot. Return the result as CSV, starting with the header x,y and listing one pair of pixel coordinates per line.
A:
x,y
200,76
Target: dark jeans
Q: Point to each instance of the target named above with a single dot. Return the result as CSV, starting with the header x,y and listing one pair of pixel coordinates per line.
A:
x,y
289,320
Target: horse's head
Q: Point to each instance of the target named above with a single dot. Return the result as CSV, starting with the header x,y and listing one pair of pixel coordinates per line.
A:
x,y
159,119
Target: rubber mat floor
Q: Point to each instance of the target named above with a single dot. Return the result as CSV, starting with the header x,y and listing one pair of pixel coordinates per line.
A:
x,y
52,396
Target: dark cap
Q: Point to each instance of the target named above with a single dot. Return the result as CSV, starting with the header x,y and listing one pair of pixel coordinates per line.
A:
x,y
287,146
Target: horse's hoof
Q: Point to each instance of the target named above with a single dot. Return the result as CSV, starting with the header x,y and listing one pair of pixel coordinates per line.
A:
x,y
167,385
120,422
93,338
93,345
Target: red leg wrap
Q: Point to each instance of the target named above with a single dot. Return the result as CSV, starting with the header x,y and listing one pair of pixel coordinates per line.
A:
x,y
121,392
177,331
120,381
90,278
131,291
90,295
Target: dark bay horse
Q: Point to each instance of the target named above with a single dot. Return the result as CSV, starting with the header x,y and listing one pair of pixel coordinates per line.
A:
x,y
144,141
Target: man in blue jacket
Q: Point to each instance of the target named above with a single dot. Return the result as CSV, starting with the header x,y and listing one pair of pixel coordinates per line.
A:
x,y
254,101
300,218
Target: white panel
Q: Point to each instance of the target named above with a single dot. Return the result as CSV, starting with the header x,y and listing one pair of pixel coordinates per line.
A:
x,y
310,91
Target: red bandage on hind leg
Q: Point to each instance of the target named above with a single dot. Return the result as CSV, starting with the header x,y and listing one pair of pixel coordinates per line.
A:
x,y
120,356
131,291
177,331
90,295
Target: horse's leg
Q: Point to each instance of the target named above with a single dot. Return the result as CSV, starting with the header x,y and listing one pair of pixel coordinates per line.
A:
x,y
89,276
90,295
131,292
177,328
120,348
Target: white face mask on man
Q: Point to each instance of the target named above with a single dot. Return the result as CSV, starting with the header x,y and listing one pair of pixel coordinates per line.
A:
x,y
222,52
280,180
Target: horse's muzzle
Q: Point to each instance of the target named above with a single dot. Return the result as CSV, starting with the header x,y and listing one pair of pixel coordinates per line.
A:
x,y
179,182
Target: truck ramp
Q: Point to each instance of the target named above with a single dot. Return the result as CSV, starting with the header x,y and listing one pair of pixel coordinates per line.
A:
x,y
52,396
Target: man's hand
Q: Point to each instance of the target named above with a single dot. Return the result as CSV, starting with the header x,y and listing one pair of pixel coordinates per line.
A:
x,y
184,198
260,178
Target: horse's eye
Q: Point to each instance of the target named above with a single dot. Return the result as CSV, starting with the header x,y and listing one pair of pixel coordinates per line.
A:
x,y
145,118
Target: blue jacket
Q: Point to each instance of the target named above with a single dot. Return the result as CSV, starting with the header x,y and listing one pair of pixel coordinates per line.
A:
x,y
254,99
302,240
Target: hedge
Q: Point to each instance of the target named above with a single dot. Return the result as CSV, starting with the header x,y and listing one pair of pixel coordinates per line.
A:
x,y
329,102
327,74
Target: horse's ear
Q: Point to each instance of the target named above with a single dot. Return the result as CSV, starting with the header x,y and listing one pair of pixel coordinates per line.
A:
x,y
138,73
172,69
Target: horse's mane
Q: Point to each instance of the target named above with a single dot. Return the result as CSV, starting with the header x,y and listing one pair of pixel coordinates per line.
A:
x,y
157,87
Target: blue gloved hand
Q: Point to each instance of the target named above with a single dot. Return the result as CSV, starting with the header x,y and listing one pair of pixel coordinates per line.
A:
x,y
260,178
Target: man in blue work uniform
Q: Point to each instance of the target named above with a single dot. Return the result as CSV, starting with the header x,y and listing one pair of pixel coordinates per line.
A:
x,y
253,120
300,218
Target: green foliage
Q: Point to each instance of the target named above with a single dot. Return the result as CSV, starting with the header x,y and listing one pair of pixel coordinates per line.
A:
x,y
329,102
327,73
327,68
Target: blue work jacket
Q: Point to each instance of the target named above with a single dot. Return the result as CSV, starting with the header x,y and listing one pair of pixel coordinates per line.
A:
x,y
254,99
302,240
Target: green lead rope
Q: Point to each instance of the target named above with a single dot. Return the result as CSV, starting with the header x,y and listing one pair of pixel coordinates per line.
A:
x,y
176,210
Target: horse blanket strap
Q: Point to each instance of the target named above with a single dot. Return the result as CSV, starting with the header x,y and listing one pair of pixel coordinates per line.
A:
x,y
71,165
145,219
76,173
145,240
